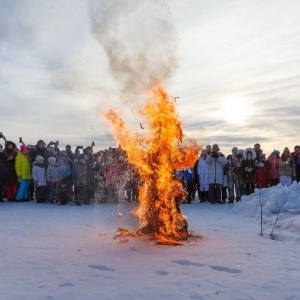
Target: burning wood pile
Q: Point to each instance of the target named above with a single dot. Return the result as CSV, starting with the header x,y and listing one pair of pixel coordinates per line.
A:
x,y
156,154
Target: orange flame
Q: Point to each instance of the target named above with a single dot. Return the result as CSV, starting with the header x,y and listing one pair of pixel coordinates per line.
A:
x,y
156,155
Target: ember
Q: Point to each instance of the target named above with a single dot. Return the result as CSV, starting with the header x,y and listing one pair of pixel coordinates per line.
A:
x,y
156,154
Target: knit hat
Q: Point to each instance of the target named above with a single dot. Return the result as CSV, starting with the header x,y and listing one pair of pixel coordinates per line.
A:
x,y
38,158
235,149
51,159
23,148
276,152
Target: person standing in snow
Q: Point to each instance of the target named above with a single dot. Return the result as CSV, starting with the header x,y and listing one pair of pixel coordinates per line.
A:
x,y
287,171
63,163
79,177
296,156
10,179
40,180
234,175
216,163
202,170
273,164
2,173
189,178
23,171
54,176
248,170
262,178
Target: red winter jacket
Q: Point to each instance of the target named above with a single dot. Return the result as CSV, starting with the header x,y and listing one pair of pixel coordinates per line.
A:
x,y
262,177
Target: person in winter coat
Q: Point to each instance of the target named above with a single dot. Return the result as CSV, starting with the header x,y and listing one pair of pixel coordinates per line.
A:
x,y
64,165
287,171
10,178
40,149
79,177
234,175
40,180
196,178
296,156
202,170
273,164
64,192
262,178
189,179
216,163
23,170
54,176
248,170
2,172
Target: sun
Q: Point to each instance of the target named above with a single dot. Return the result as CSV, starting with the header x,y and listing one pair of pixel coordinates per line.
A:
x,y
235,110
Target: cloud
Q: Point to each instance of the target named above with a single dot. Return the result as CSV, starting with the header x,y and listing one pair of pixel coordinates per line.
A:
x,y
63,62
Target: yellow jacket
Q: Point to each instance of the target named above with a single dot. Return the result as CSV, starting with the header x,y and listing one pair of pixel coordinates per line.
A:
x,y
22,166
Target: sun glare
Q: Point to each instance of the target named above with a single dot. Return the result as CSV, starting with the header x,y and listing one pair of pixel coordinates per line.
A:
x,y
234,110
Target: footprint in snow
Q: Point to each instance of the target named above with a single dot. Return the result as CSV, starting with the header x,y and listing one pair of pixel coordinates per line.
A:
x,y
161,272
184,262
225,269
101,268
66,284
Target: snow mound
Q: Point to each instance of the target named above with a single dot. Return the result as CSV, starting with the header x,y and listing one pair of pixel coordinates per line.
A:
x,y
280,207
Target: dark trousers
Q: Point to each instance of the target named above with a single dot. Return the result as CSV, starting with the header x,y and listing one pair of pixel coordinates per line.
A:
x,y
214,193
41,194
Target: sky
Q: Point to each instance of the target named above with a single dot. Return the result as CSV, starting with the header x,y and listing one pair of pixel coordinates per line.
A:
x,y
72,252
233,64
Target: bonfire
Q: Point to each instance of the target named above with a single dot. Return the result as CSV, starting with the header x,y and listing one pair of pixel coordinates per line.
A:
x,y
157,153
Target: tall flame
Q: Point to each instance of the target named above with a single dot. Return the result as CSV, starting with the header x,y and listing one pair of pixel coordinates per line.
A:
x,y
156,155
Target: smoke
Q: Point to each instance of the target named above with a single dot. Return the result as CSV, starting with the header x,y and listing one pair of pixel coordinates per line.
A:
x,y
138,39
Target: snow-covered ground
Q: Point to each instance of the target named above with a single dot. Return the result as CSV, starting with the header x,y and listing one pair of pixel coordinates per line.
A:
x,y
70,252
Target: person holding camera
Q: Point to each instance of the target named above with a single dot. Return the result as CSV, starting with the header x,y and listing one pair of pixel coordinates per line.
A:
x,y
41,150
216,162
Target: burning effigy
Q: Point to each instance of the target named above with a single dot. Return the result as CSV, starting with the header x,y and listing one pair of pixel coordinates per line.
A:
x,y
156,154
140,43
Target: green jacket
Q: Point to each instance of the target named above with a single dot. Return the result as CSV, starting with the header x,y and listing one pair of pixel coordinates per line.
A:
x,y
22,166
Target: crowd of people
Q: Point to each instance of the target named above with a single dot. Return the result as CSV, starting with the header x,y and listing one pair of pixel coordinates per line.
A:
x,y
218,178
47,174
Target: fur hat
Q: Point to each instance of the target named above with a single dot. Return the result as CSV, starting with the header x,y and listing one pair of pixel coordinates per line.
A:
x,y
51,159
38,158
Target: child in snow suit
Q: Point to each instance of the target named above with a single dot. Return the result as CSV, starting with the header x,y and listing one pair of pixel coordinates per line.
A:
x,y
64,192
262,178
39,180
53,177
